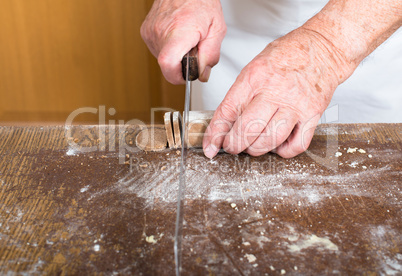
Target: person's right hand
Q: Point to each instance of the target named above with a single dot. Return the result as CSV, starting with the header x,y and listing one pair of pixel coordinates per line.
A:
x,y
174,27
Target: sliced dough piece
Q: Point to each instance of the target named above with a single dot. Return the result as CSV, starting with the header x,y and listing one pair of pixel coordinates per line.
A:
x,y
177,129
169,129
198,123
152,139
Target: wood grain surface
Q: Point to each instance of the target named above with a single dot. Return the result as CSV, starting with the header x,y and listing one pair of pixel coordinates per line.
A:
x,y
90,203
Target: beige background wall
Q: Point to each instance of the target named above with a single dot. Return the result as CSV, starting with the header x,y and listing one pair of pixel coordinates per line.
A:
x,y
60,55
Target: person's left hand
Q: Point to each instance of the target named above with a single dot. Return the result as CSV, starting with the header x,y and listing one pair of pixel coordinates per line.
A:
x,y
278,98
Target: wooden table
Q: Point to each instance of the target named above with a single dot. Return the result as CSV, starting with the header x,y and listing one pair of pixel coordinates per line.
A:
x,y
66,208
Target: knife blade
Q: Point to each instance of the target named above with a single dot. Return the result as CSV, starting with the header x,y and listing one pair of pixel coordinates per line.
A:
x,y
190,73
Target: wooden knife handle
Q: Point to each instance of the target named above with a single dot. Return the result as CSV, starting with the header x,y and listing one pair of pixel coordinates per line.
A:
x,y
193,73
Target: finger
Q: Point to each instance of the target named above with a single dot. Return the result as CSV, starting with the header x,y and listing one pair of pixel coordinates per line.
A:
x,y
209,51
214,136
145,33
299,140
174,49
249,125
276,132
224,117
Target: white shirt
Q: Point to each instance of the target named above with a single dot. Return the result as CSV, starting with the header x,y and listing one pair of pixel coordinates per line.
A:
x,y
372,94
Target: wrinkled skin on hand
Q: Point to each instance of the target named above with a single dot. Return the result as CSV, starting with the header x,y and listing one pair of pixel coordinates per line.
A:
x,y
174,27
278,98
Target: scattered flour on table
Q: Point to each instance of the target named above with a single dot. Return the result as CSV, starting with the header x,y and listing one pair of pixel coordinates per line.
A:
x,y
312,241
353,164
83,190
250,257
206,182
258,239
150,239
381,236
71,152
353,150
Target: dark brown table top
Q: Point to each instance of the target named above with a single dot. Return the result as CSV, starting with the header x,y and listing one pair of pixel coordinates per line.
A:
x,y
109,209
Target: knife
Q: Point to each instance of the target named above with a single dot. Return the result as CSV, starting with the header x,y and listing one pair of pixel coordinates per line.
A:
x,y
190,73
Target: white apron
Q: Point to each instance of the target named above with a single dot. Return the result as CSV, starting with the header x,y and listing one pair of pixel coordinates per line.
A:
x,y
372,94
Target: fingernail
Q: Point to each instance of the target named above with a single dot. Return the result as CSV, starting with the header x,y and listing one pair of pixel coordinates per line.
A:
x,y
210,151
207,73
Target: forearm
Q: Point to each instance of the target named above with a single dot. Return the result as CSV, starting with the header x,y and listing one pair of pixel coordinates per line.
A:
x,y
356,28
